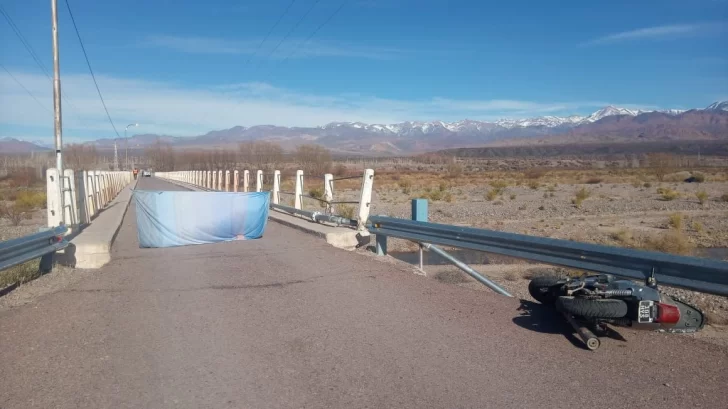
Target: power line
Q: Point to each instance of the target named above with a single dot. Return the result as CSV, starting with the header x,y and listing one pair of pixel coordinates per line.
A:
x,y
303,44
26,89
270,31
293,28
33,54
73,20
27,45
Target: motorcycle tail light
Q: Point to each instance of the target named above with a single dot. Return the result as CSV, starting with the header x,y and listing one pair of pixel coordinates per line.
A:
x,y
667,313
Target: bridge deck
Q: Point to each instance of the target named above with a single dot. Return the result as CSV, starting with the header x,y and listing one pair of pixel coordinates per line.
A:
x,y
287,321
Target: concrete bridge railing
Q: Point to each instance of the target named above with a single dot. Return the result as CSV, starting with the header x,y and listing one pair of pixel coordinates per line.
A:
x,y
76,197
240,181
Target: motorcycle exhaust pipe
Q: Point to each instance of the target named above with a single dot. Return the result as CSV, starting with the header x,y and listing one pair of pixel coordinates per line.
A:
x,y
590,340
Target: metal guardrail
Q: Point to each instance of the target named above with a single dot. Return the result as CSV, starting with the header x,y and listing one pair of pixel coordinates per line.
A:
x,y
693,273
23,249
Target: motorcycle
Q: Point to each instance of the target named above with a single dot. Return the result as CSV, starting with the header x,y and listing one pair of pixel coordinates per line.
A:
x,y
591,303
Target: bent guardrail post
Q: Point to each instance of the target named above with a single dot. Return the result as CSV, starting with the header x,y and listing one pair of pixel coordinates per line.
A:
x,y
299,190
466,268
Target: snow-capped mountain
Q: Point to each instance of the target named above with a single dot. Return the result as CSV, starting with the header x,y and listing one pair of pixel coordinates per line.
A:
x,y
608,125
718,106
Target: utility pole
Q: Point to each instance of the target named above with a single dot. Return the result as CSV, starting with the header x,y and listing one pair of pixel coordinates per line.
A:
x,y
57,89
116,157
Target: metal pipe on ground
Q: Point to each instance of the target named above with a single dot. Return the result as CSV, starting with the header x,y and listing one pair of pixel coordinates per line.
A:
x,y
466,268
316,216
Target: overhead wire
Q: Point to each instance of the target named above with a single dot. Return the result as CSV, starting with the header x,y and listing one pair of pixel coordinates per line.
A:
x,y
298,23
26,89
305,42
85,55
270,31
33,54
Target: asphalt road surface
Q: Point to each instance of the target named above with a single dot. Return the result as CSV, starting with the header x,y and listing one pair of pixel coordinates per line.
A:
x,y
289,322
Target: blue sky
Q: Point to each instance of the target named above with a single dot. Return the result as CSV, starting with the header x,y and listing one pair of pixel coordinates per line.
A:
x,y
185,67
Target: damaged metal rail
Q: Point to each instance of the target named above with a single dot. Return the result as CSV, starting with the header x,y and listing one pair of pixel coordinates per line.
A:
x,y
692,273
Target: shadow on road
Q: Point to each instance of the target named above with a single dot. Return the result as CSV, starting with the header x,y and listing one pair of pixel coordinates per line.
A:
x,y
545,319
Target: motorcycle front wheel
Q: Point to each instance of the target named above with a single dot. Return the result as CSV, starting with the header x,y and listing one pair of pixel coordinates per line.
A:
x,y
545,289
593,308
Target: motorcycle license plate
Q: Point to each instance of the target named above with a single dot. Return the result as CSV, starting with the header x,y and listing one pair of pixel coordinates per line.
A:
x,y
646,312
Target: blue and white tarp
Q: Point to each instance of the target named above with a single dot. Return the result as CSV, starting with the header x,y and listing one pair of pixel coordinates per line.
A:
x,y
180,218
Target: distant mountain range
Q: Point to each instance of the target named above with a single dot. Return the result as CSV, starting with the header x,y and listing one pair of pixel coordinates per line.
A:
x,y
607,125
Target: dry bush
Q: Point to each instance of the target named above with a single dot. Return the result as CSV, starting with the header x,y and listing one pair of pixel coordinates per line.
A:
x,y
724,197
668,194
23,177
674,241
513,197
636,184
699,177
581,195
442,186
454,170
491,194
702,196
261,155
20,274
346,211
647,185
31,200
623,236
660,164
313,159
15,213
340,170
316,192
499,184
82,157
406,186
698,227
510,276
448,197
534,173
533,184
675,221
594,181
552,188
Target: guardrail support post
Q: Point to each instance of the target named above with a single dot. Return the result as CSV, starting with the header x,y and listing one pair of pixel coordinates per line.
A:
x,y
53,196
365,203
299,189
419,214
259,181
329,192
236,180
276,187
246,180
227,180
214,180
219,180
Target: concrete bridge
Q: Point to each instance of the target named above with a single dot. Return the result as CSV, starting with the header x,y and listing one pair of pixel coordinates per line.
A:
x,y
289,321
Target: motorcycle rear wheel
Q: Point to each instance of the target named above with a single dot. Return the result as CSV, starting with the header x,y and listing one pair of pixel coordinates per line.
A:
x,y
545,289
593,308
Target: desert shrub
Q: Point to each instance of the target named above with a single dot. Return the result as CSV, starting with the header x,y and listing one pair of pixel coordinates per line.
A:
x,y
534,173
15,213
594,181
340,170
454,170
406,186
581,195
636,184
345,210
513,197
667,193
436,195
724,197
647,185
675,221
674,241
699,177
622,236
448,197
498,184
491,194
702,196
533,184
31,200
442,186
698,227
